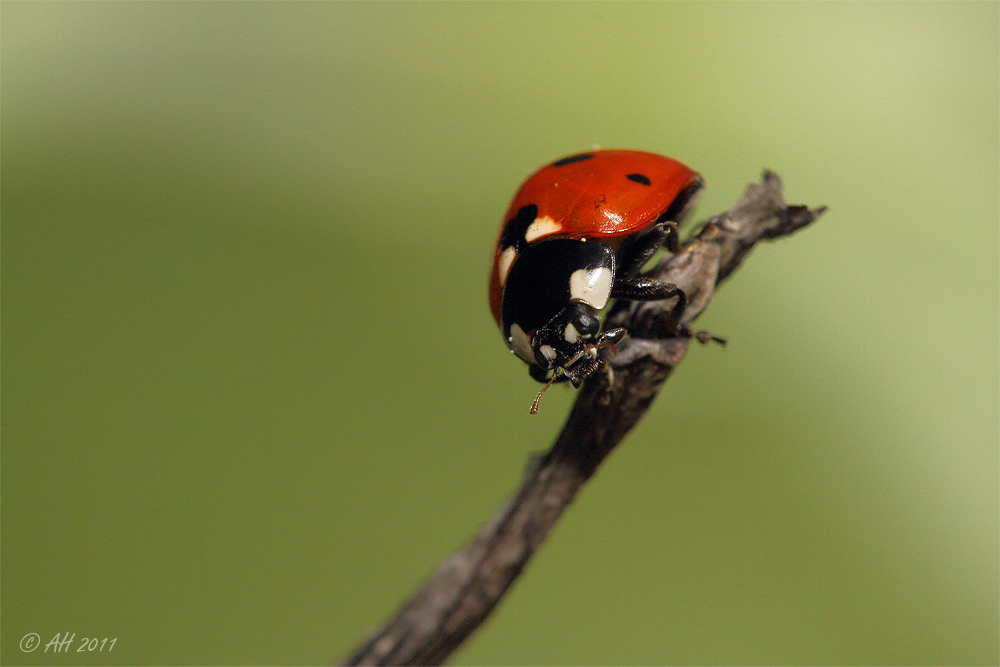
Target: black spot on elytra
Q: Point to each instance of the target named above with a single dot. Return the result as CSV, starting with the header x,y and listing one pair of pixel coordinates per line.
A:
x,y
516,227
571,159
638,178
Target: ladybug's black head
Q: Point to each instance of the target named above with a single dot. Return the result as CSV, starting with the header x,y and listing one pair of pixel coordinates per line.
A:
x,y
564,336
569,347
568,343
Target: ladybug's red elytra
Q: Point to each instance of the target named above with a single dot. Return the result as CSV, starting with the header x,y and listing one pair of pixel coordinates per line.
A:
x,y
576,235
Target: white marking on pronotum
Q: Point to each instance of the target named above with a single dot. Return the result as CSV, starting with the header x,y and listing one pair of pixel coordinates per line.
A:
x,y
521,344
571,334
503,264
542,226
591,286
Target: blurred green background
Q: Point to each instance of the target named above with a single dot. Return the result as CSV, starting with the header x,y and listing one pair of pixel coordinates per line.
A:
x,y
252,393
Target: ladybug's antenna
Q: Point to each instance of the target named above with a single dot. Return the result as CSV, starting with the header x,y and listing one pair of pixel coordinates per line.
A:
x,y
534,406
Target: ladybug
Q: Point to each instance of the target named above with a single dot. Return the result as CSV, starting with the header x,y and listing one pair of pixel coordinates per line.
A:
x,y
576,235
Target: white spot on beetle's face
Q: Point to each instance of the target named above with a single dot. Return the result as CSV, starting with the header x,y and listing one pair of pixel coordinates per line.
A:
x,y
521,344
591,286
542,226
571,335
503,264
548,352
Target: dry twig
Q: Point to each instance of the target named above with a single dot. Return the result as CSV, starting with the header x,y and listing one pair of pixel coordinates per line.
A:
x,y
463,591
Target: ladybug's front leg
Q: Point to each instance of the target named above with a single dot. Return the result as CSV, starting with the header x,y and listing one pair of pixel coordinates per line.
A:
x,y
647,289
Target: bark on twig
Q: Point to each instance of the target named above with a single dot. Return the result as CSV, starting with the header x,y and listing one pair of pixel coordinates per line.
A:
x,y
463,591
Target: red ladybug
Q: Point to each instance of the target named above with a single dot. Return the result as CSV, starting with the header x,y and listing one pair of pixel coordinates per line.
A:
x,y
576,235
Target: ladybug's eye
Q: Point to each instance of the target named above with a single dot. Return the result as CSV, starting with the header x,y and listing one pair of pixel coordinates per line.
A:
x,y
584,320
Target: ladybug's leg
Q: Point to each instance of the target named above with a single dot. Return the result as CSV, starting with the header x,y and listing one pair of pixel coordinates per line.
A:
x,y
673,240
647,289
639,250
702,337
